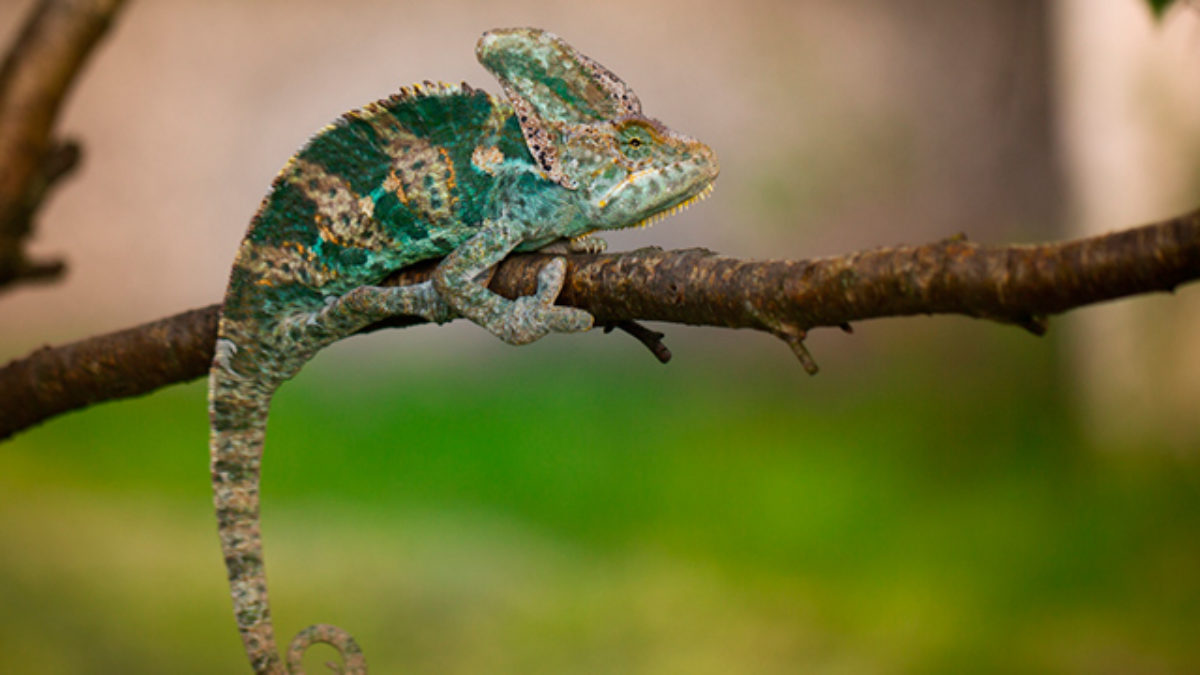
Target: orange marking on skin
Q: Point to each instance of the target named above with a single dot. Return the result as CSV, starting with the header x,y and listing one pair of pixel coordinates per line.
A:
x,y
399,191
264,282
327,235
300,248
452,179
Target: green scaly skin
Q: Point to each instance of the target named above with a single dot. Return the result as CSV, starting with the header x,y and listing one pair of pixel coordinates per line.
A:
x,y
434,171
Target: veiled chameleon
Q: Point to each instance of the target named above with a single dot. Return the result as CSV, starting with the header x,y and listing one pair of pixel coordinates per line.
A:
x,y
435,171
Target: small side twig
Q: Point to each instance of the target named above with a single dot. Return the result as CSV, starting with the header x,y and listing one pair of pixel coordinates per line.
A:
x,y
652,339
795,340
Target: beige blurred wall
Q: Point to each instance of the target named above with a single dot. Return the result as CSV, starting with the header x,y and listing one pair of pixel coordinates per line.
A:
x,y
1129,107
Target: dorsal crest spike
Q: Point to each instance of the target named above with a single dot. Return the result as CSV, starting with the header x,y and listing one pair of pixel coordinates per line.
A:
x,y
380,108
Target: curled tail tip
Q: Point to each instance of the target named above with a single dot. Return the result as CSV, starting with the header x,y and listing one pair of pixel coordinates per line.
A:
x,y
353,661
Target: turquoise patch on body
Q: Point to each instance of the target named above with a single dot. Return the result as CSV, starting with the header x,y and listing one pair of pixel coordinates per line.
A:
x,y
288,216
402,226
444,119
350,151
512,142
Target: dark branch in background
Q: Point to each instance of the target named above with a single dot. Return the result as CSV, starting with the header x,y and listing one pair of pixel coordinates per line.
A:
x,y
36,74
1019,285
1160,7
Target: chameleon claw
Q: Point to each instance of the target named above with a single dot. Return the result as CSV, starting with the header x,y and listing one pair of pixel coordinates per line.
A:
x,y
586,243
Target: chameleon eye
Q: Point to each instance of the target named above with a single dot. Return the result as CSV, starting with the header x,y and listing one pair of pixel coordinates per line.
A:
x,y
635,142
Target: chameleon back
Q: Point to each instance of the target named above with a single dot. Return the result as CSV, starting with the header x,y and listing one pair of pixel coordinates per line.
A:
x,y
401,180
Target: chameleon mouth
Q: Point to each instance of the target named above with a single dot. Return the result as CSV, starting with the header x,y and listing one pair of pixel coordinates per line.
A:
x,y
672,210
655,217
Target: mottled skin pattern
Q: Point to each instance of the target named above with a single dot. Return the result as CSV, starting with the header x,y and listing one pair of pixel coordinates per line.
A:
x,y
436,170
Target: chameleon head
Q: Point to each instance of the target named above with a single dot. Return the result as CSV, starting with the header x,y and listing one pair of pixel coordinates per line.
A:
x,y
585,129
632,171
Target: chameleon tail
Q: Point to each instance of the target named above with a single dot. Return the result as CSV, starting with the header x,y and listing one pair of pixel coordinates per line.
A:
x,y
238,414
352,656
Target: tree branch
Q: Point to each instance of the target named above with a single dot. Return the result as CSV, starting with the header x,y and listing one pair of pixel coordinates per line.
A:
x,y
1019,285
35,76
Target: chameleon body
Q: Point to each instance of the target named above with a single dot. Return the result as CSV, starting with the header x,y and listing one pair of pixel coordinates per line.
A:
x,y
435,171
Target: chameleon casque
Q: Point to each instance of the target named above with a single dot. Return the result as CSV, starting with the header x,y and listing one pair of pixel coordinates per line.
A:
x,y
434,171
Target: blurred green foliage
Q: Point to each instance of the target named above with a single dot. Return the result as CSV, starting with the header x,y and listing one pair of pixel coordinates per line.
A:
x,y
1160,6
595,512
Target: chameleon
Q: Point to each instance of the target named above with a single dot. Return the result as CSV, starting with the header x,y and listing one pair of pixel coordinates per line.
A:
x,y
435,171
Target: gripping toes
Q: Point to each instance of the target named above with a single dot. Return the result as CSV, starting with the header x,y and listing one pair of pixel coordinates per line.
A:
x,y
558,319
550,280
533,316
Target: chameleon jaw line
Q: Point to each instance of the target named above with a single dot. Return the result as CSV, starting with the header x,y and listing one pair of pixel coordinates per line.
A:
x,y
672,210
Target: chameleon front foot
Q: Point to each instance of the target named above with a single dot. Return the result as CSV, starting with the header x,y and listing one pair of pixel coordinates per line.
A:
x,y
534,316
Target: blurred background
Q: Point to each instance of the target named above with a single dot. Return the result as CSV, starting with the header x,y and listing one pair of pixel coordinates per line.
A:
x,y
948,495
